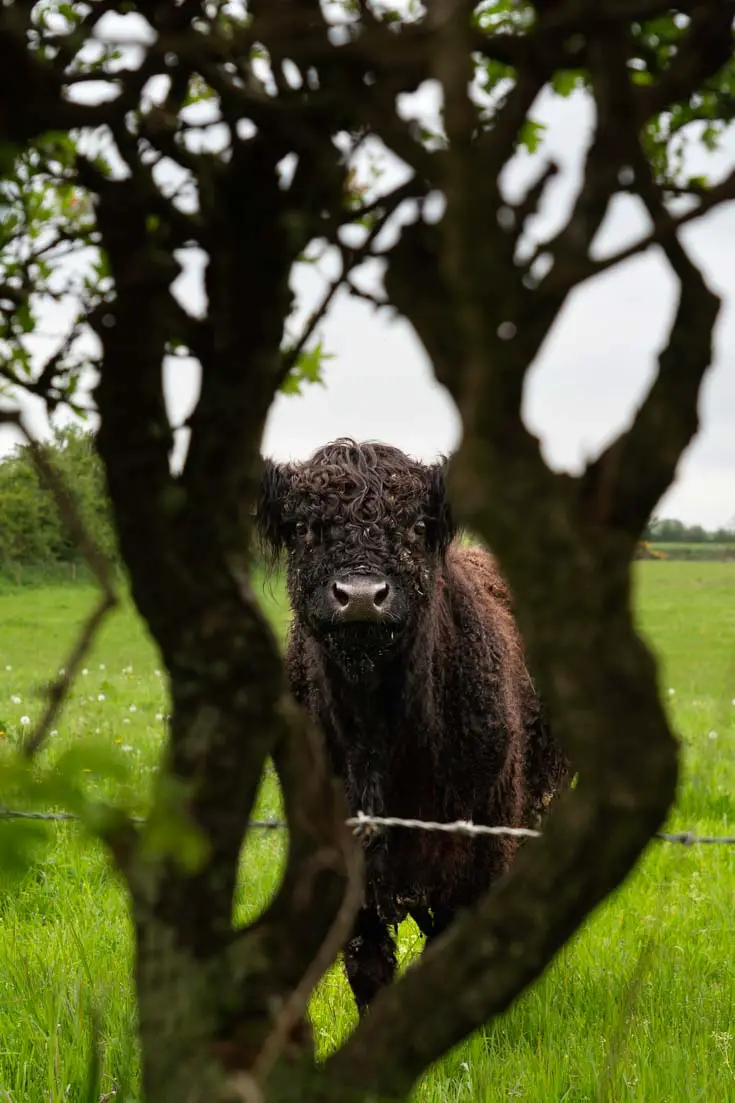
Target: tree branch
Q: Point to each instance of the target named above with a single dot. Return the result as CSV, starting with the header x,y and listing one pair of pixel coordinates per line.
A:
x,y
386,207
572,14
706,48
665,225
244,334
622,487
311,917
42,107
476,250
612,148
135,444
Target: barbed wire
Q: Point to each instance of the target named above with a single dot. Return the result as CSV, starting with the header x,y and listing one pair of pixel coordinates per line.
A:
x,y
455,827
362,821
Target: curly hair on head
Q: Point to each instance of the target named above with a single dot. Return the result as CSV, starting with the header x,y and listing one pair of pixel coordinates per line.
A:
x,y
349,483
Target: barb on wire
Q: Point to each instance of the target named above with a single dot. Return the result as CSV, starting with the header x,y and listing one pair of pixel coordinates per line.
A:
x,y
361,821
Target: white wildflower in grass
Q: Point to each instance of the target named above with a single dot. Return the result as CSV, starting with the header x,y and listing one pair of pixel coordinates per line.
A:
x,y
62,672
126,720
159,716
156,672
126,747
53,732
102,666
25,721
712,735
133,708
8,667
671,692
100,696
85,671
15,699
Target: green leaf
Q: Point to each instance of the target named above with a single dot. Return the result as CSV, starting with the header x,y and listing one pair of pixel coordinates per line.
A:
x,y
169,831
307,369
22,843
567,81
530,135
24,317
95,758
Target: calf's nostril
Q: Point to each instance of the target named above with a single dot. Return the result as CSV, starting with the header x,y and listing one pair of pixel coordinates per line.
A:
x,y
381,594
341,594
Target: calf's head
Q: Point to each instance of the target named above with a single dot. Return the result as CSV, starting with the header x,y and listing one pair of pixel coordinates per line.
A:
x,y
365,529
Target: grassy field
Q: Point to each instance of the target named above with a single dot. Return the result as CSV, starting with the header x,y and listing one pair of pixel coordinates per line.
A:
x,y
696,551
638,1007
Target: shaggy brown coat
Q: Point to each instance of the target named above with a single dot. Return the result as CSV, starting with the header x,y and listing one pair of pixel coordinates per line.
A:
x,y
428,714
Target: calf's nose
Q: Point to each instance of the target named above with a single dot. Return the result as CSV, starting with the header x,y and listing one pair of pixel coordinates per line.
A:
x,y
360,598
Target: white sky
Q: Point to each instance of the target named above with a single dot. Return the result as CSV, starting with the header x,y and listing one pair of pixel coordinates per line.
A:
x,y
586,383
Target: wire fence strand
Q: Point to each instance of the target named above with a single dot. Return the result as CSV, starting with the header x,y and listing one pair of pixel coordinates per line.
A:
x,y
362,821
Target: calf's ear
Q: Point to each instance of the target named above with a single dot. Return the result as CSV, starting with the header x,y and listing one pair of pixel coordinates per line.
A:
x,y
275,483
440,520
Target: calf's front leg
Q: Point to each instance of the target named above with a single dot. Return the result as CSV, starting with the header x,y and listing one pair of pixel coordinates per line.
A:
x,y
370,957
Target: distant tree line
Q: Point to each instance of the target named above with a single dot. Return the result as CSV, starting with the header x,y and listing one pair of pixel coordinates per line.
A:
x,y
666,530
32,532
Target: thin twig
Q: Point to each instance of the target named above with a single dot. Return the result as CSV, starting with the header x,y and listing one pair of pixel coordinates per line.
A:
x,y
350,260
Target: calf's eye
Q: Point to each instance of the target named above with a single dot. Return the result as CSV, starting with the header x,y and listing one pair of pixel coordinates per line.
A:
x,y
420,528
301,528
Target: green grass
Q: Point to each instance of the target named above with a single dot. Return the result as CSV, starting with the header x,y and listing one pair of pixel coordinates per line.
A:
x,y
639,1007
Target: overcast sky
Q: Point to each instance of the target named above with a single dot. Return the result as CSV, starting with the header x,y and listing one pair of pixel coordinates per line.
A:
x,y
589,377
